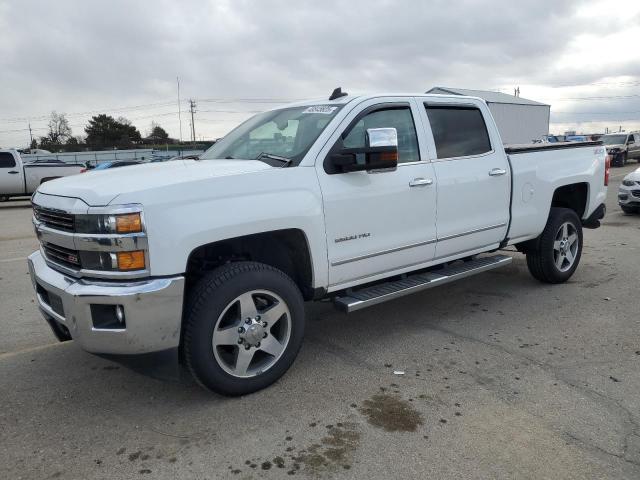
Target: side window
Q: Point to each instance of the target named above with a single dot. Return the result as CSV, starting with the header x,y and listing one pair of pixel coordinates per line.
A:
x,y
630,139
458,131
7,160
399,118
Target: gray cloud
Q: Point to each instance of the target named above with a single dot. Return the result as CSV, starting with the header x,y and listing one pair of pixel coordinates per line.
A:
x,y
81,56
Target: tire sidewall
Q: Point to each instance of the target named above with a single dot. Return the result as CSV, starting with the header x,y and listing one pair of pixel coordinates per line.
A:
x,y
204,318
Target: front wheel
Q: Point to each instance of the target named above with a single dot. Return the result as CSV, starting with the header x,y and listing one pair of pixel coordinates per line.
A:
x,y
244,325
559,248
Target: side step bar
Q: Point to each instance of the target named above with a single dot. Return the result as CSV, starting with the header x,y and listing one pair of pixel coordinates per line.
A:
x,y
354,300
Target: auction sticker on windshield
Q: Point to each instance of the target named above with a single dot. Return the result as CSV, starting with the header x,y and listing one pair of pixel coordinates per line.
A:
x,y
325,109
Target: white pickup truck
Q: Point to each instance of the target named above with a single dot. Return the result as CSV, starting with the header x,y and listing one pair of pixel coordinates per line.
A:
x,y
358,199
19,179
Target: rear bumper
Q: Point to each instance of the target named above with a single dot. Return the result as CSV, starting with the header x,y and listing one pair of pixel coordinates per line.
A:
x,y
73,307
593,221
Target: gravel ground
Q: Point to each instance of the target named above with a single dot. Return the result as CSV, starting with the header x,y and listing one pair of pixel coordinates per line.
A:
x,y
504,377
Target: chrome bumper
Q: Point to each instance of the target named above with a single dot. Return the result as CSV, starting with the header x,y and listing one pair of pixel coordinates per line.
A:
x,y
152,309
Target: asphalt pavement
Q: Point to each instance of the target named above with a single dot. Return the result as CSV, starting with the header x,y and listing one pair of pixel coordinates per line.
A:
x,y
496,376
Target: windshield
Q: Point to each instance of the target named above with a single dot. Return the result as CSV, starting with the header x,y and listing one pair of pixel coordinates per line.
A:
x,y
287,133
614,139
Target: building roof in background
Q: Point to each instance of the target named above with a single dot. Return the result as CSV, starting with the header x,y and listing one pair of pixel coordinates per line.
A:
x,y
487,96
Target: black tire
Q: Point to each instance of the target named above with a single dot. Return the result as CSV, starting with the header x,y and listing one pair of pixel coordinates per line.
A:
x,y
210,298
542,261
628,210
4,198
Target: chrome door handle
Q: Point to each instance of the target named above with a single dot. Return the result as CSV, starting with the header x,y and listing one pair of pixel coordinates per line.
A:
x,y
419,182
496,172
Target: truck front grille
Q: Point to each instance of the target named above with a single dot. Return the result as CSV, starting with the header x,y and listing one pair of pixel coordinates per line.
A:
x,y
63,256
55,218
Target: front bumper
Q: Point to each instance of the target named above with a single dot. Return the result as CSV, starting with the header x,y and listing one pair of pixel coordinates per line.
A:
x,y
152,310
629,196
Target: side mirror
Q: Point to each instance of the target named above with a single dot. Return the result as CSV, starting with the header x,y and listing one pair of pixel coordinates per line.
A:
x,y
380,153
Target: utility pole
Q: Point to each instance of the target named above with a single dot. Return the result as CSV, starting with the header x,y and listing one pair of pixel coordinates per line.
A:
x,y
179,109
30,135
192,107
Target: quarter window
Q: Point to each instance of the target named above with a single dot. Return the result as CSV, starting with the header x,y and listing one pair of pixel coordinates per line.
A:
x,y
398,118
7,160
458,131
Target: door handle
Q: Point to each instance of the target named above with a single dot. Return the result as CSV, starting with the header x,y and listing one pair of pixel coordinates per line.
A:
x,y
496,172
12,172
419,182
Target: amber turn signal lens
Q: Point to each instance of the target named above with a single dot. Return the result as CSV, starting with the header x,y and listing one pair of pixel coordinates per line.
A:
x,y
131,260
129,223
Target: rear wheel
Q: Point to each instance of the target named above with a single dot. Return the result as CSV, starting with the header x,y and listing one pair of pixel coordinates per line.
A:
x,y
243,328
559,248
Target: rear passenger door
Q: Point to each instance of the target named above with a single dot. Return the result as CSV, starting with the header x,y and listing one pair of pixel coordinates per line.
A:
x,y
473,176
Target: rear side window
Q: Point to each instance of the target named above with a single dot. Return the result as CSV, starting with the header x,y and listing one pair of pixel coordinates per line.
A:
x,y
458,131
7,160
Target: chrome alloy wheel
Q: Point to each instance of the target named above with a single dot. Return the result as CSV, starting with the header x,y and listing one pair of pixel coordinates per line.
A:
x,y
252,333
565,246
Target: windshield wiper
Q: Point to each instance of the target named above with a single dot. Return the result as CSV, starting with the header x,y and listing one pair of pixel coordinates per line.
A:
x,y
285,161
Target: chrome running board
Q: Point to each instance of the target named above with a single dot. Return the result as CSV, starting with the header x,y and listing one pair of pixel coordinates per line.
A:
x,y
353,300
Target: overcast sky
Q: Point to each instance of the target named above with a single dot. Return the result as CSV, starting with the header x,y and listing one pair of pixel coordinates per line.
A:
x,y
239,56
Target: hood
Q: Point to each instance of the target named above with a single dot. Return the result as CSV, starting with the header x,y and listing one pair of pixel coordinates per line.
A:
x,y
618,146
98,188
635,175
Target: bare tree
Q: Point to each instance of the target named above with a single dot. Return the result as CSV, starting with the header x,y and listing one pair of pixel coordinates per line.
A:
x,y
59,129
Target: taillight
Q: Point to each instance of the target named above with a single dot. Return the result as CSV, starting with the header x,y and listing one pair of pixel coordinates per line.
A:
x,y
607,169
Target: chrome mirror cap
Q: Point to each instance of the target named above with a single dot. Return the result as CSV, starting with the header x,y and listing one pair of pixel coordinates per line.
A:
x,y
382,137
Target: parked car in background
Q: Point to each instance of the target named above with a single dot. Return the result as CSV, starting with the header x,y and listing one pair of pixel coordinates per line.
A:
x,y
622,147
629,193
18,179
107,165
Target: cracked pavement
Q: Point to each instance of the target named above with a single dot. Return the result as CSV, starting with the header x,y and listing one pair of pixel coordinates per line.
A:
x,y
504,377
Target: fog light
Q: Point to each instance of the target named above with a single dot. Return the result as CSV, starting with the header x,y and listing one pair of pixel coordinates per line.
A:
x,y
120,313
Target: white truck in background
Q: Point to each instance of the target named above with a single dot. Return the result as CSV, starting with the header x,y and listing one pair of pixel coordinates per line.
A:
x,y
19,179
359,199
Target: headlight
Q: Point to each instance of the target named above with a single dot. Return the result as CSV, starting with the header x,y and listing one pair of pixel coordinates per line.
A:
x,y
101,223
628,183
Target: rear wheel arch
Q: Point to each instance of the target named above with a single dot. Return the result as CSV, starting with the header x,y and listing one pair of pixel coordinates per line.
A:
x,y
573,196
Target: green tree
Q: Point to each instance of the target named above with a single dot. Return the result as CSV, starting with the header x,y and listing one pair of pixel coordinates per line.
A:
x,y
105,131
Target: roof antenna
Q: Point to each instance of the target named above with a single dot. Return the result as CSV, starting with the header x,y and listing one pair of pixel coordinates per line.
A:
x,y
337,93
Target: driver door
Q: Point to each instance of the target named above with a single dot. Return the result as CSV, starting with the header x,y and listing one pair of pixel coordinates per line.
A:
x,y
381,221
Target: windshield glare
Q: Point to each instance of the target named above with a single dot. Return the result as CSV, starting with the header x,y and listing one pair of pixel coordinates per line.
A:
x,y
614,139
287,132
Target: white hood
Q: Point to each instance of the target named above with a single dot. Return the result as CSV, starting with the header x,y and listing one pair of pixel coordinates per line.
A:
x,y
100,187
635,175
